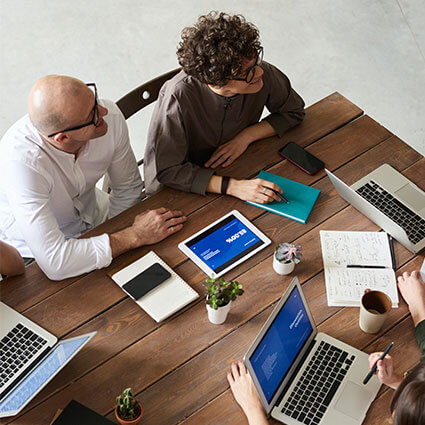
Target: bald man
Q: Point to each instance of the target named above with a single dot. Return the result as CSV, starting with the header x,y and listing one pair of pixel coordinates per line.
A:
x,y
50,162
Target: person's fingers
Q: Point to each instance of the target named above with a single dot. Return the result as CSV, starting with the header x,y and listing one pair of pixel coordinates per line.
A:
x,y
242,367
230,378
382,369
228,162
174,229
161,210
263,198
219,153
235,370
173,214
373,358
416,274
406,275
175,221
270,185
270,194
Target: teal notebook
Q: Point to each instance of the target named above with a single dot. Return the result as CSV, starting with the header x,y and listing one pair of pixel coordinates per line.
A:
x,y
301,198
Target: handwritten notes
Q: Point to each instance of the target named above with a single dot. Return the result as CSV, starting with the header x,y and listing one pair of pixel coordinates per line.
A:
x,y
345,286
366,248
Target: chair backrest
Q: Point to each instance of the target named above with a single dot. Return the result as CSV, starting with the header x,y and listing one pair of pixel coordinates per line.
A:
x,y
136,100
144,95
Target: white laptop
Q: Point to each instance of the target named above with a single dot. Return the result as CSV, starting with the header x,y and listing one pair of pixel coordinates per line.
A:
x,y
30,357
306,377
390,200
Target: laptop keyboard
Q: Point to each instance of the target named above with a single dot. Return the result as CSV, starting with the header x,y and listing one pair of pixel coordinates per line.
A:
x,y
410,222
17,348
318,384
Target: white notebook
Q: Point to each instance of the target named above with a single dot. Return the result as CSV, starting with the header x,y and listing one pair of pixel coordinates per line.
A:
x,y
164,300
345,286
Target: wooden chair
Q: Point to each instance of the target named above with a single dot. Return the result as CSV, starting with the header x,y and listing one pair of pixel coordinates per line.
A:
x,y
138,99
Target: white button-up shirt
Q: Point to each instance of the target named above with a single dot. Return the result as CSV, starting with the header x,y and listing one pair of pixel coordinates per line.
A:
x,y
48,197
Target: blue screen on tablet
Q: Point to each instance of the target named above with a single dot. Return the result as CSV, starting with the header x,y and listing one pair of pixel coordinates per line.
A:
x,y
223,244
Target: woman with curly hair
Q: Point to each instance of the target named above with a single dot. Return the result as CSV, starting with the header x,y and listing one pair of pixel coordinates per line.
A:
x,y
209,113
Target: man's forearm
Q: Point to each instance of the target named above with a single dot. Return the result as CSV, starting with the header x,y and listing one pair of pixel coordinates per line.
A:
x,y
123,241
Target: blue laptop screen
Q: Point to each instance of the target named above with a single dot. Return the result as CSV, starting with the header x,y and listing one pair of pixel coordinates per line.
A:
x,y
281,344
224,243
41,374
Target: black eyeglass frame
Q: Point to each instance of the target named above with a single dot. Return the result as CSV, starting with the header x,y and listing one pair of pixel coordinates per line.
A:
x,y
258,62
95,119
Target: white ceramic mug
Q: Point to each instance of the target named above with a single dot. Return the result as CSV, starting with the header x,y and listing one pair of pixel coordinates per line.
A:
x,y
374,309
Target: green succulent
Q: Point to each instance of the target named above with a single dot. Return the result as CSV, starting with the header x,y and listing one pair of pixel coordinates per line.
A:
x,y
220,292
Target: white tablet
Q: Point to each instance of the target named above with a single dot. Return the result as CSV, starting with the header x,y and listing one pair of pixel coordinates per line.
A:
x,y
224,244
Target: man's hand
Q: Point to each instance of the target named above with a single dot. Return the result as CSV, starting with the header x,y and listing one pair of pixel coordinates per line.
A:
x,y
385,370
225,154
153,226
149,227
413,291
256,190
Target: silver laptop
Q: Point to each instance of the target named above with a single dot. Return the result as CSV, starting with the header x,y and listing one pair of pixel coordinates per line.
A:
x,y
29,359
390,200
306,377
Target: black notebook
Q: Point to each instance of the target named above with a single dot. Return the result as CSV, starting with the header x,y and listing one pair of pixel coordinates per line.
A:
x,y
75,413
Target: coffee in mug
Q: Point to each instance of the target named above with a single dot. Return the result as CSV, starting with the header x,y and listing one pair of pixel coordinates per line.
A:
x,y
374,309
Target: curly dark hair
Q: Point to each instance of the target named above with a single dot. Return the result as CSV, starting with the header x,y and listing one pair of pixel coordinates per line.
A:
x,y
215,48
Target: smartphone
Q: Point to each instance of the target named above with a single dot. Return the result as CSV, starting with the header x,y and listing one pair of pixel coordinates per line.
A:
x,y
144,282
301,158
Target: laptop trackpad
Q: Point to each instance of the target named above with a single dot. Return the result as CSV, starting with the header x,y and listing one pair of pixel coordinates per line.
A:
x,y
412,196
353,401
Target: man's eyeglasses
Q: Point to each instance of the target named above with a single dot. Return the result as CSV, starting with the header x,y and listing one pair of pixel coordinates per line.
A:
x,y
95,114
251,71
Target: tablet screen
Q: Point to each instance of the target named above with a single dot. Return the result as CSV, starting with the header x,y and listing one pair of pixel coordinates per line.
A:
x,y
223,244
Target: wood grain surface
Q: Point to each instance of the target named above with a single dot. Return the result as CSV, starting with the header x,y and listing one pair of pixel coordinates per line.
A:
x,y
178,368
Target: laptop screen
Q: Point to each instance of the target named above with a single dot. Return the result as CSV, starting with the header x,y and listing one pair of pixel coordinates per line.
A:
x,y
281,344
42,374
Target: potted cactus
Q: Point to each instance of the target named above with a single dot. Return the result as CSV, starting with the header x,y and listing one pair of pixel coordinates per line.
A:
x,y
220,295
286,255
128,410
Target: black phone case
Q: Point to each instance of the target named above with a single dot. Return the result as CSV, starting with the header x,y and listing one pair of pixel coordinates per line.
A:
x,y
147,280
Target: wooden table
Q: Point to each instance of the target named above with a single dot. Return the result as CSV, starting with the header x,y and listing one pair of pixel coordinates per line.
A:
x,y
178,368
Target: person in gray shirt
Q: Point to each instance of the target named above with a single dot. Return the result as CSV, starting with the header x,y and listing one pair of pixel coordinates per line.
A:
x,y
209,113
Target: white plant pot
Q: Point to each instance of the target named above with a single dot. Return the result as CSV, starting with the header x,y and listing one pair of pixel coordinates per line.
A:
x,y
283,268
218,317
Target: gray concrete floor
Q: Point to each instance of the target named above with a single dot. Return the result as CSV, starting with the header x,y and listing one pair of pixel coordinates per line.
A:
x,y
371,51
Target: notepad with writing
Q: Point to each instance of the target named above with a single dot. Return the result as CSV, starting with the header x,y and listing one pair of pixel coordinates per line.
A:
x,y
346,285
164,300
301,198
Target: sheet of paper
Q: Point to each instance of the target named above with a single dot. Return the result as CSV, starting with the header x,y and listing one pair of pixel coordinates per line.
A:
x,y
345,287
361,248
423,271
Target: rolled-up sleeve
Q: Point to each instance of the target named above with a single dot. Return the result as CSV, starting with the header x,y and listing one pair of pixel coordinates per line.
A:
x,y
285,105
173,169
58,257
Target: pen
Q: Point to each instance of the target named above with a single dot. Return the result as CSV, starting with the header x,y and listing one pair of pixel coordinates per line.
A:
x,y
392,252
358,266
375,366
280,195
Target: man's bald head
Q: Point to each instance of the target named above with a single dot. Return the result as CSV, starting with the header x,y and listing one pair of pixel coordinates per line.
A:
x,y
53,102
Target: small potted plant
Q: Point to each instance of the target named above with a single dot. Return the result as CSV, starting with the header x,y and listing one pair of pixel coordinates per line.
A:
x,y
220,295
128,410
286,255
